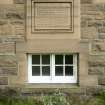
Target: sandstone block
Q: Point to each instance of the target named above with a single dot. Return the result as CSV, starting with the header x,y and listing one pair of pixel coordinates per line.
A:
x,y
6,2
19,1
101,30
95,23
3,80
97,70
102,35
8,71
86,1
89,33
93,90
8,61
12,20
98,1
88,80
7,48
97,63
98,46
102,80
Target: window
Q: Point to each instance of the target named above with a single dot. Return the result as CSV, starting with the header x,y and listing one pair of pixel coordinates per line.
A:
x,y
52,68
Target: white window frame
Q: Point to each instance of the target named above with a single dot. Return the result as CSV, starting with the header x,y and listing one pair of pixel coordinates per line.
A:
x,y
52,78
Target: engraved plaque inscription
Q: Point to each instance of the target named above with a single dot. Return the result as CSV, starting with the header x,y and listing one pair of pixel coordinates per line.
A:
x,y
52,16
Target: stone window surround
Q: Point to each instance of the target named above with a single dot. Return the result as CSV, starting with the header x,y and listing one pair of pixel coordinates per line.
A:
x,y
22,49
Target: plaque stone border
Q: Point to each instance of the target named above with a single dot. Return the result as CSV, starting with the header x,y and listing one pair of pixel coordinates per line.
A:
x,y
34,30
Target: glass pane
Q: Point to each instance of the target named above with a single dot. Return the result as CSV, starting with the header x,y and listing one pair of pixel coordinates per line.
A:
x,y
35,70
46,70
35,59
45,59
69,59
58,59
59,71
69,70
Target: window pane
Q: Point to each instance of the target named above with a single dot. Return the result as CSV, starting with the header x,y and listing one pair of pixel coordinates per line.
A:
x,y
46,70
59,71
35,59
69,59
35,70
58,59
45,59
69,70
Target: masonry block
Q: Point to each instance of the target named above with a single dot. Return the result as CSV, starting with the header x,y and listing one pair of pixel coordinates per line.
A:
x,y
8,61
3,80
12,20
89,33
7,48
98,48
97,71
86,1
102,80
19,1
8,71
88,80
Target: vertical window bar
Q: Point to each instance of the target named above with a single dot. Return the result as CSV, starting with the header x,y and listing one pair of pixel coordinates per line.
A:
x,y
53,65
63,65
40,65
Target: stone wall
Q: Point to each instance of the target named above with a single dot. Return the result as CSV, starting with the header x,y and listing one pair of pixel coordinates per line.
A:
x,y
93,31
12,31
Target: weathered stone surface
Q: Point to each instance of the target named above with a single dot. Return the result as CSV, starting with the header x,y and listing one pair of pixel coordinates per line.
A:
x,y
8,71
95,23
101,30
102,35
89,33
102,80
19,1
93,15
86,1
7,48
97,71
12,21
98,47
93,90
12,28
97,63
3,80
12,12
6,2
8,61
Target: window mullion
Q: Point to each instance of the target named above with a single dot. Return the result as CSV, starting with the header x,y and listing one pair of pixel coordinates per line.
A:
x,y
40,65
53,65
63,65
50,67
